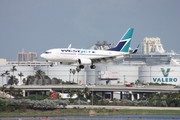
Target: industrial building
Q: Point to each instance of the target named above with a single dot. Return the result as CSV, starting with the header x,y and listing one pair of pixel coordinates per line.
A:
x,y
154,66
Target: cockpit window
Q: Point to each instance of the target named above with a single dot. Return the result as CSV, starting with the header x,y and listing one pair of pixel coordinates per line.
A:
x,y
47,52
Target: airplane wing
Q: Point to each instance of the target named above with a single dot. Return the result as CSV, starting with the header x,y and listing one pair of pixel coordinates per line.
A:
x,y
109,59
114,58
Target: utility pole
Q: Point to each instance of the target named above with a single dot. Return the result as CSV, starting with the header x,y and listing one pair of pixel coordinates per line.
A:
x,y
92,95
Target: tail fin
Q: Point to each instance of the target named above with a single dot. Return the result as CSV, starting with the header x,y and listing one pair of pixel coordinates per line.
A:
x,y
124,43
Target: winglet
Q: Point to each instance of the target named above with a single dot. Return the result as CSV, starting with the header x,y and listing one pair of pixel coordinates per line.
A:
x,y
69,47
124,43
136,49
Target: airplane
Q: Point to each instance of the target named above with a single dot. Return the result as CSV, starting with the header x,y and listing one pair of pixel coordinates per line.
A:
x,y
82,57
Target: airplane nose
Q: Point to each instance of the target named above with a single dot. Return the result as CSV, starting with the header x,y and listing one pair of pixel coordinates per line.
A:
x,y
42,55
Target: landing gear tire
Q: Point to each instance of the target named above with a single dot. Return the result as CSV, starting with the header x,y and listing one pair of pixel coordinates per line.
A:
x,y
81,66
92,66
51,65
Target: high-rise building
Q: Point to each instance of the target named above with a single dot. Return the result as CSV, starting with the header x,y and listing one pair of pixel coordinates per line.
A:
x,y
152,45
27,56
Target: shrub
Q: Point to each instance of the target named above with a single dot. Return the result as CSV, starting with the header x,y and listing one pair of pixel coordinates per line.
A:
x,y
10,109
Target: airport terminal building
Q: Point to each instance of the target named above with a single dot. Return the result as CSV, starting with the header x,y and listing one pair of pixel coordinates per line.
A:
x,y
154,66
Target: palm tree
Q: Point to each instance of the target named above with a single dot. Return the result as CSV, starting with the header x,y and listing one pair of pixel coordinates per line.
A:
x,y
24,81
11,80
40,75
2,75
20,75
30,80
7,74
13,69
78,70
16,81
70,71
137,82
73,72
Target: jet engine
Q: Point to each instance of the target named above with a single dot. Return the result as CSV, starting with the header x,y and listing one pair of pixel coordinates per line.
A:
x,y
84,61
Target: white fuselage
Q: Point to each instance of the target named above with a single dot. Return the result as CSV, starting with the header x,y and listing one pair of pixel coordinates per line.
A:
x,y
71,55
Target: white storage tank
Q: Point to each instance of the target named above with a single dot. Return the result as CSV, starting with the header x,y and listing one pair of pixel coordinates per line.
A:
x,y
160,74
123,73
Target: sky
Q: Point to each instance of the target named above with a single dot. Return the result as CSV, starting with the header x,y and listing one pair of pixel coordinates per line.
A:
x,y
39,25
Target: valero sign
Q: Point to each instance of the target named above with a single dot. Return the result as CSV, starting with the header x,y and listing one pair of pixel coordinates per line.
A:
x,y
165,78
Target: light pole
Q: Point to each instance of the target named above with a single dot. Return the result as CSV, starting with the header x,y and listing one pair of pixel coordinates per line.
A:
x,y
92,95
150,74
124,79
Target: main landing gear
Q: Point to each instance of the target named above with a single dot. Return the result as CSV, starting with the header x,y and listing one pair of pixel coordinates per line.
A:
x,y
51,65
92,66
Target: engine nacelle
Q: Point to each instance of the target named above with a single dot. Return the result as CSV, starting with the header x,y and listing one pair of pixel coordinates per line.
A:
x,y
84,61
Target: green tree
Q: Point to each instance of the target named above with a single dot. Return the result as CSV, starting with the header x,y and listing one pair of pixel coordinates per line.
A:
x,y
20,75
11,91
137,82
73,72
7,75
47,79
18,93
71,93
13,69
57,81
86,92
2,75
30,79
40,75
70,71
3,88
24,81
78,70
3,105
79,93
16,81
94,100
11,80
